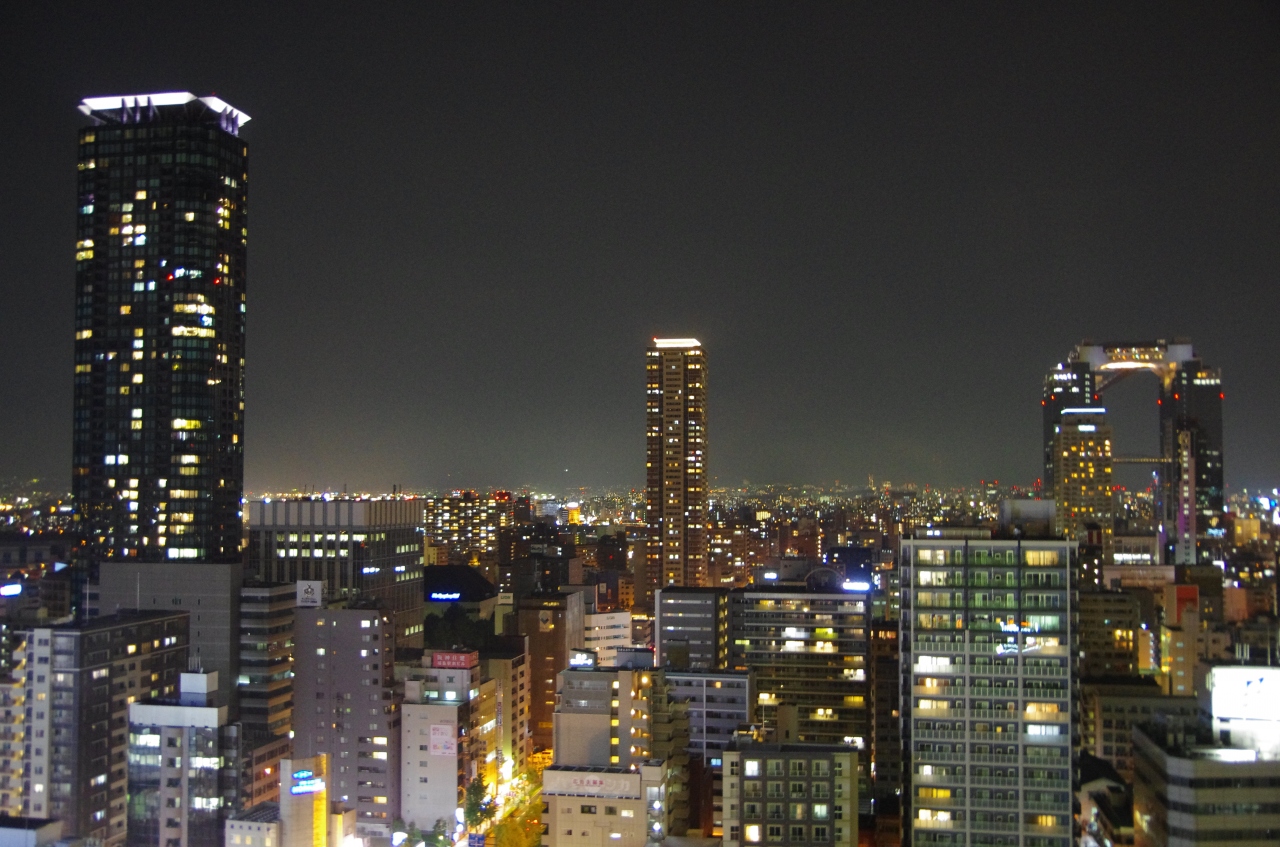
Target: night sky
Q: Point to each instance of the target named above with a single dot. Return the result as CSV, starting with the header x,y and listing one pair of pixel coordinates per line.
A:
x,y
885,222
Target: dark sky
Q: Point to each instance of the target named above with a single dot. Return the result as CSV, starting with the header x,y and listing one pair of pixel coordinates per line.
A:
x,y
885,222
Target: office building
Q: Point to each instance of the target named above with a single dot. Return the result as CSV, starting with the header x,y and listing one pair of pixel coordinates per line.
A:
x,y
450,728
790,794
265,685
809,649
1111,707
1192,788
304,816
344,678
79,680
209,591
1082,475
29,832
175,760
553,624
359,549
161,235
691,628
586,806
987,645
676,487
1109,625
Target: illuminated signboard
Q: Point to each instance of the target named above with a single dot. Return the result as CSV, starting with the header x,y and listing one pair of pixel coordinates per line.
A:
x,y
446,595
850,585
10,590
582,659
306,782
457,661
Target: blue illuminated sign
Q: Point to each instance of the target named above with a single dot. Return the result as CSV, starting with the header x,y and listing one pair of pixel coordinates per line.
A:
x,y
441,595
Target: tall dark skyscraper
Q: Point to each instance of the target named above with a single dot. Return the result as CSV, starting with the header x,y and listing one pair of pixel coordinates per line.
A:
x,y
162,234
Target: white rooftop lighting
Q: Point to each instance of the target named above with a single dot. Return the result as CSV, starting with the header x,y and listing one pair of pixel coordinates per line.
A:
x,y
676,342
164,98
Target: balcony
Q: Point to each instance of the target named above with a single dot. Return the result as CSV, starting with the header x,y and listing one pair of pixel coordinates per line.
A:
x,y
1007,781
931,824
995,758
956,734
937,756
1035,670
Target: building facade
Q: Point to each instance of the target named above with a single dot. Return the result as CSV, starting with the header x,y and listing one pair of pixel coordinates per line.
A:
x,y
161,251
987,640
175,761
676,487
344,672
553,624
810,650
604,806
790,794
1082,475
691,627
79,681
359,549
265,685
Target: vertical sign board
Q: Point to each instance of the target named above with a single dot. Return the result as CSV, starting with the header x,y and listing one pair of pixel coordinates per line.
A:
x,y
444,740
475,839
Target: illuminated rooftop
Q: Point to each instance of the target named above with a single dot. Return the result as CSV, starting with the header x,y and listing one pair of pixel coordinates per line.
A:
x,y
143,108
663,343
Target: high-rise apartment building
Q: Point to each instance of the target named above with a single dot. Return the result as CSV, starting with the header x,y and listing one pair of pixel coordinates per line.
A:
x,y
360,549
161,245
1082,475
345,680
676,487
79,680
809,650
987,666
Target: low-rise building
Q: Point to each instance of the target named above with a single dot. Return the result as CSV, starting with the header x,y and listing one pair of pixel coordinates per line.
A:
x,y
587,806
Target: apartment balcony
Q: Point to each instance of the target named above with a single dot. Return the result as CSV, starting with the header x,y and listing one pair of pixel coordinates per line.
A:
x,y
992,826
937,756
996,714
1007,781
1055,808
995,758
1034,670
955,734
1036,829
932,824
1047,783
992,803
938,690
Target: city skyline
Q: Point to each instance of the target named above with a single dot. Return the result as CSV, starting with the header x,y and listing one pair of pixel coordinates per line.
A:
x,y
888,225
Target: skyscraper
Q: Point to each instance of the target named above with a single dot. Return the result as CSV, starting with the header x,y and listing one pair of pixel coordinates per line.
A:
x,y
676,490
158,456
987,642
1082,474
